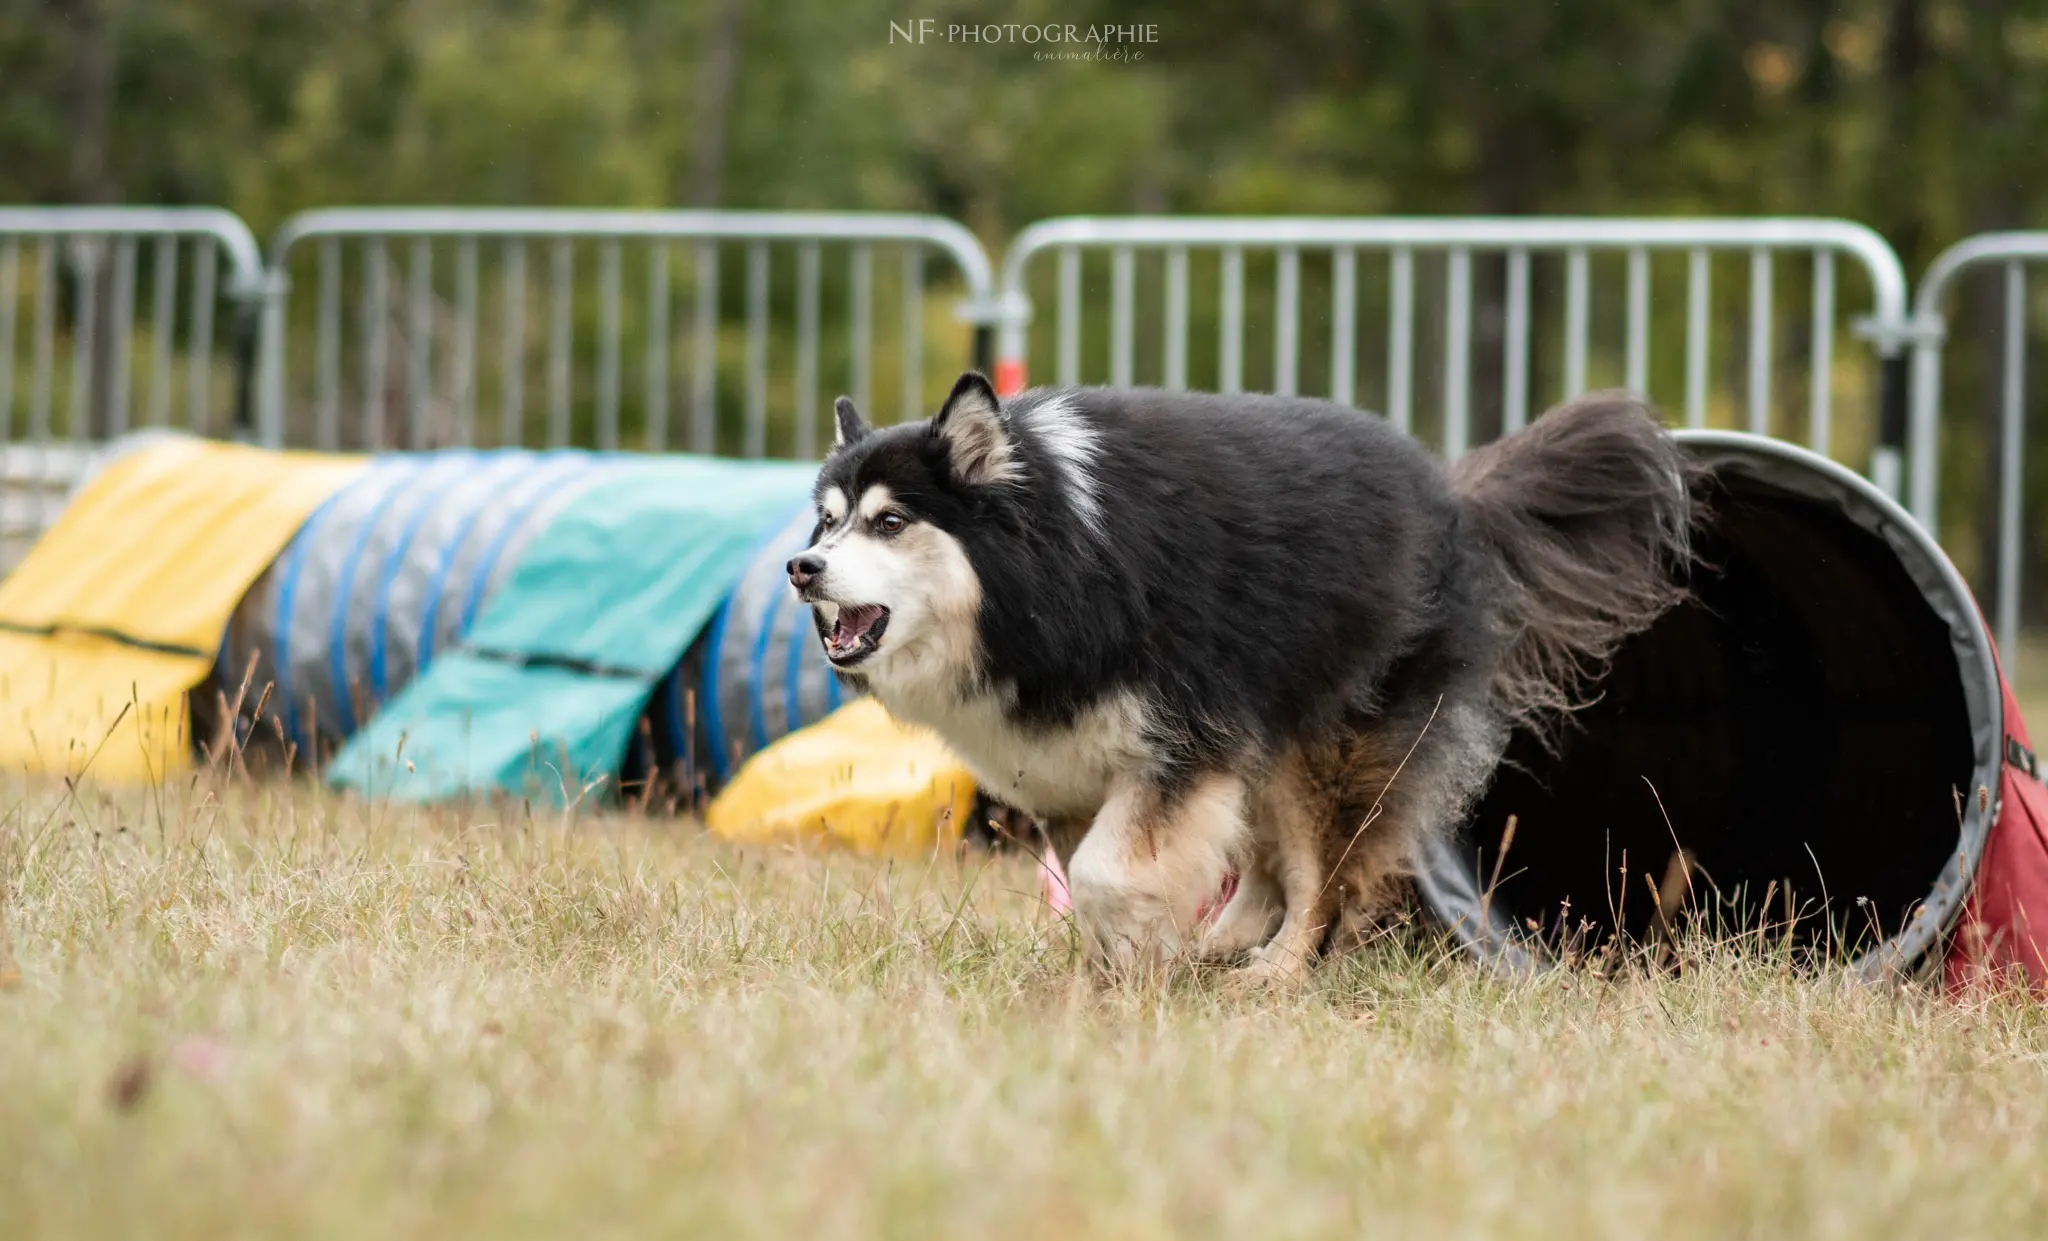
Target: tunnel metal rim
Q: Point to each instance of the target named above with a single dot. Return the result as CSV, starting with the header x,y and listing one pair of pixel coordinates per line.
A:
x,y
1451,889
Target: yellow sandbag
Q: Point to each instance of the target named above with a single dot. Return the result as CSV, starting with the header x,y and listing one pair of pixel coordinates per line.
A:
x,y
119,608
856,778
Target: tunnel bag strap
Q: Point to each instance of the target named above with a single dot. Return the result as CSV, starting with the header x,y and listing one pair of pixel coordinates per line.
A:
x,y
2021,757
570,663
51,629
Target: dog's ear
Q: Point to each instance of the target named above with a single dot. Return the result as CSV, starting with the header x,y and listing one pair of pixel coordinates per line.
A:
x,y
977,439
848,427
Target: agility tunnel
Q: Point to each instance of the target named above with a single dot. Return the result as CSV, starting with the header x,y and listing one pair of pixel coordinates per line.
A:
x,y
1822,729
500,612
399,568
540,681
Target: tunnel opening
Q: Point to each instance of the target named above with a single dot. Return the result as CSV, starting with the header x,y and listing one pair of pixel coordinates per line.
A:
x,y
1811,728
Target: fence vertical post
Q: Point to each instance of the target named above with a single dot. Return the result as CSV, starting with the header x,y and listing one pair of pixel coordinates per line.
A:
x,y
259,355
1888,457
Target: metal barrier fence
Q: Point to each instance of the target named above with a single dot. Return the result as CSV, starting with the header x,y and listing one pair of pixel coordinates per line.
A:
x,y
2010,252
88,365
1518,243
110,318
422,367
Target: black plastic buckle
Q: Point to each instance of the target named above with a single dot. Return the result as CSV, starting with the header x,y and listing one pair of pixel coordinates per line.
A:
x,y
2021,757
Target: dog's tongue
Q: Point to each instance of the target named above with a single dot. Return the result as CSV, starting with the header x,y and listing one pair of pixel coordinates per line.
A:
x,y
854,622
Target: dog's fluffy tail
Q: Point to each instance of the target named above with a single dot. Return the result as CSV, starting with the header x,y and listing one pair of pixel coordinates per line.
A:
x,y
1587,514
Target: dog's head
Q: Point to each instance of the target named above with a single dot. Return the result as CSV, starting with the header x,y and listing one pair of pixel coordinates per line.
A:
x,y
893,592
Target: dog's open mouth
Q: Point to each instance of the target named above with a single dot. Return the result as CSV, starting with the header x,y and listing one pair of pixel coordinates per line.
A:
x,y
856,633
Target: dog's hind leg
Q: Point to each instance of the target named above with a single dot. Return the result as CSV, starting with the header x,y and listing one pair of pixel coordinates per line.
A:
x,y
1338,819
1388,787
1148,865
1292,843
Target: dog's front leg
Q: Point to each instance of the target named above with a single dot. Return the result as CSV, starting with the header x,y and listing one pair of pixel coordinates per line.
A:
x,y
1249,918
1147,866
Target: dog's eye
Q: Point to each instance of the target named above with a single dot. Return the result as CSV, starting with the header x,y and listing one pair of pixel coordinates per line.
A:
x,y
824,521
891,523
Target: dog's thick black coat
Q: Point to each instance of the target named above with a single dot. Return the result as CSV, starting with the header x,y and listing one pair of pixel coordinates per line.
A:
x,y
1256,565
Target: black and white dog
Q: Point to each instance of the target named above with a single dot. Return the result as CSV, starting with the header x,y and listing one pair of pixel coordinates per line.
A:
x,y
1201,635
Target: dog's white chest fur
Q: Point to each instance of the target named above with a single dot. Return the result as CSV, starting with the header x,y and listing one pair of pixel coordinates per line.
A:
x,y
1050,772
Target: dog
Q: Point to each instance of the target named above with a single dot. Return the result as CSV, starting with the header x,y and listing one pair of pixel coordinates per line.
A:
x,y
1203,636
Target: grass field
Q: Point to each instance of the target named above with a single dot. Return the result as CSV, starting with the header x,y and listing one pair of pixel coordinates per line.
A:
x,y
260,1011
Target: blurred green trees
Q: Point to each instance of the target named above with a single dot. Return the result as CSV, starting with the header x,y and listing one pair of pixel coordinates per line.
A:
x,y
1925,118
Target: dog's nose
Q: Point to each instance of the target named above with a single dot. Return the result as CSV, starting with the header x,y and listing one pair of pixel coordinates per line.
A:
x,y
804,568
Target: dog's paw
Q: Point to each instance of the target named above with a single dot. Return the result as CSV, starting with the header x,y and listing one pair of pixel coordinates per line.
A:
x,y
1270,968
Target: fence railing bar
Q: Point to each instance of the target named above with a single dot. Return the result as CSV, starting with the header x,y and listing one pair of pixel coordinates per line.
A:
x,y
1123,296
656,368
807,281
1177,317
512,348
1344,325
45,350
1286,320
861,296
608,331
1760,341
114,222
123,317
913,334
419,347
163,327
375,264
704,352
1514,414
2012,462
1819,410
948,236
561,340
1577,305
462,365
327,349
1401,338
10,296
1698,312
1070,318
1123,279
87,256
199,353
1637,370
756,408
1230,367
1457,351
1473,232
